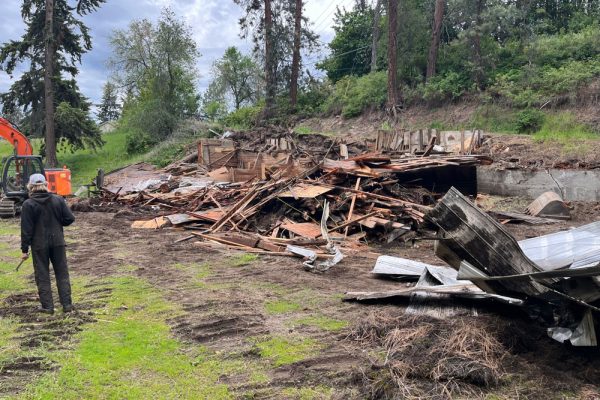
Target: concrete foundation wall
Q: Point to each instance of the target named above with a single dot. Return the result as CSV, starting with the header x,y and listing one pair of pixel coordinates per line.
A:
x,y
572,185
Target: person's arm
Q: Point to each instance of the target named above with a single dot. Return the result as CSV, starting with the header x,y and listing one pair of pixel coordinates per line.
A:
x,y
67,217
27,227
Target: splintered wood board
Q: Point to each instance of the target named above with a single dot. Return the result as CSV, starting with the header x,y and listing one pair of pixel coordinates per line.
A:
x,y
305,191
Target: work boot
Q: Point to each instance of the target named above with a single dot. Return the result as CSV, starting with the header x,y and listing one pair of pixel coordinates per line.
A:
x,y
46,310
68,309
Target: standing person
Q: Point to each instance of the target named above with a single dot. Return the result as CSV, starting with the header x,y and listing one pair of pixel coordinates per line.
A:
x,y
42,219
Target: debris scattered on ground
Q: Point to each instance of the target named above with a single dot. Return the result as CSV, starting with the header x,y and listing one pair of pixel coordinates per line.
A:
x,y
321,199
263,194
553,277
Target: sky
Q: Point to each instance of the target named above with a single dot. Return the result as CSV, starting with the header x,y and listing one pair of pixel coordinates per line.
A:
x,y
214,24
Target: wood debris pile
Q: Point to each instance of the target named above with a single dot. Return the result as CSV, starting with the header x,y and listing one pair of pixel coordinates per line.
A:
x,y
367,195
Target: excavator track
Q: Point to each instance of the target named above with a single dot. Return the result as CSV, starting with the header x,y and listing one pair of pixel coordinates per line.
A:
x,y
9,208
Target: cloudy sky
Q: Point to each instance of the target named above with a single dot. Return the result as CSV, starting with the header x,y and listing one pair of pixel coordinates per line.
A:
x,y
214,23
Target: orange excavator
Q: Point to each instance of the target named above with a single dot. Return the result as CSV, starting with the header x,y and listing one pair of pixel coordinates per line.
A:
x,y
17,169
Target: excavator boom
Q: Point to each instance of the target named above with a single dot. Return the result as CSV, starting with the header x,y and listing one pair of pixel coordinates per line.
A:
x,y
19,141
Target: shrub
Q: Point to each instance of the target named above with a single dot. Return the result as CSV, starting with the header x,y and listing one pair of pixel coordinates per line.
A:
x,y
369,92
529,120
244,118
138,142
449,86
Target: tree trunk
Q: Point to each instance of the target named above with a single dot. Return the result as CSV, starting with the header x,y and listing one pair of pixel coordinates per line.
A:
x,y
436,33
376,18
49,51
392,101
477,58
269,61
296,55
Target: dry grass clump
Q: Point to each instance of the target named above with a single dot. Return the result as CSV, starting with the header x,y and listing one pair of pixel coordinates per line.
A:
x,y
430,358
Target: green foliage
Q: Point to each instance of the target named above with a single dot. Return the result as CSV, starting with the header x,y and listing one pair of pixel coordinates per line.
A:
x,y
493,118
449,86
351,45
351,95
312,95
564,127
157,63
177,145
244,118
214,110
109,109
71,122
529,120
235,76
519,54
70,39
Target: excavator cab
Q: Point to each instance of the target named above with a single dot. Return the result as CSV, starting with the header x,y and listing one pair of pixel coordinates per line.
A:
x,y
15,176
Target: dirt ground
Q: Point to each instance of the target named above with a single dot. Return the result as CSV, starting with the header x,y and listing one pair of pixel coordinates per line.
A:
x,y
225,307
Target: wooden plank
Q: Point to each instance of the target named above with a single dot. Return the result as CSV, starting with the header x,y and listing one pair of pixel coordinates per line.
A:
x,y
156,223
352,204
305,229
305,191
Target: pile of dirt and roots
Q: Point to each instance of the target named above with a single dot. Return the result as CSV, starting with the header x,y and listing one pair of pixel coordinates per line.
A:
x,y
424,357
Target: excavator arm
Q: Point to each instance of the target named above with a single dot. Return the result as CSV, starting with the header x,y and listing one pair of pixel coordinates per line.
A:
x,y
19,141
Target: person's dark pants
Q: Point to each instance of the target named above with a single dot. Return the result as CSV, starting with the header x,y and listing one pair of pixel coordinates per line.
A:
x,y
41,266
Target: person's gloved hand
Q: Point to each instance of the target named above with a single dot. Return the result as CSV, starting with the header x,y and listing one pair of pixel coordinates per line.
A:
x,y
25,256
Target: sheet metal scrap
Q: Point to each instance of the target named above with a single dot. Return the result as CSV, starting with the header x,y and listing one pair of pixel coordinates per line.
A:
x,y
483,252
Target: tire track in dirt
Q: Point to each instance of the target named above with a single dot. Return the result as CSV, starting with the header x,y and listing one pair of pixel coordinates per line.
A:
x,y
225,309
37,331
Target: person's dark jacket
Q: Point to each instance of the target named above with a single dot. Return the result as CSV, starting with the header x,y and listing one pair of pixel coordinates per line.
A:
x,y
43,216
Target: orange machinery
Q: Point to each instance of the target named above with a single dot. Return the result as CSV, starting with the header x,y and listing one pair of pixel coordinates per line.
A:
x,y
18,167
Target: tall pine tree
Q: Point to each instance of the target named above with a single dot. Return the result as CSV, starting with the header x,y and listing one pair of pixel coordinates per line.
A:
x,y
110,109
54,37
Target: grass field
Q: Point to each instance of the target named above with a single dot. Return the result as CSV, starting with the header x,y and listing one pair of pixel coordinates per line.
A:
x,y
84,164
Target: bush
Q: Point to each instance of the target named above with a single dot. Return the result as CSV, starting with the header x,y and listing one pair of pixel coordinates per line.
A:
x,y
449,86
138,142
177,145
529,120
370,92
351,95
244,118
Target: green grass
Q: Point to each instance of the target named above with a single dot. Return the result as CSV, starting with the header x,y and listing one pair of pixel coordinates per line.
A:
x,y
564,128
129,353
304,130
281,307
8,345
322,322
12,282
309,393
84,164
283,351
9,227
242,259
